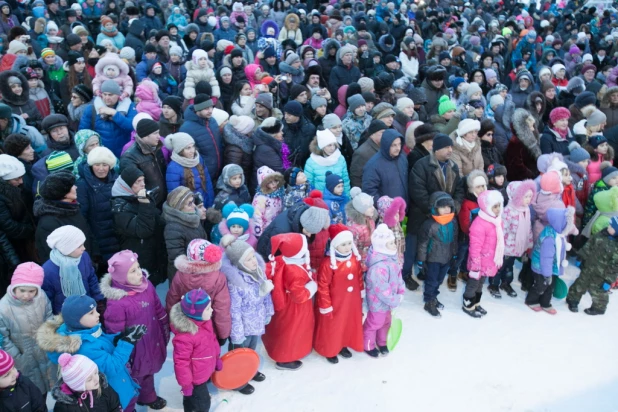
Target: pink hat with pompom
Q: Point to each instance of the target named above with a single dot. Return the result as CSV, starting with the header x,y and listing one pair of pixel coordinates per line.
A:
x,y
76,369
203,250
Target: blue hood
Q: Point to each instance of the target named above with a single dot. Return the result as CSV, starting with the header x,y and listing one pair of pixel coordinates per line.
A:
x,y
388,138
557,219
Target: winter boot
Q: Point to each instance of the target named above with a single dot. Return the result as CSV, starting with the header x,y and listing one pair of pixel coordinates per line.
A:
x,y
411,284
508,289
439,305
289,366
534,306
430,307
494,291
572,306
159,403
550,310
383,350
259,377
468,308
463,276
451,283
345,353
477,306
247,389
593,311
374,353
333,360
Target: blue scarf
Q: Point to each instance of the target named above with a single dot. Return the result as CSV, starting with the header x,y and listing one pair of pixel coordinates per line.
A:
x,y
70,277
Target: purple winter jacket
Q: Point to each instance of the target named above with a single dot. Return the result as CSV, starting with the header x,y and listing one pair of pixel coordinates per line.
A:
x,y
126,309
250,311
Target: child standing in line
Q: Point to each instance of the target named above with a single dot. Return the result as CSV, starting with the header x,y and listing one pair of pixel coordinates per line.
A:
x,y
609,178
19,393
196,350
599,260
132,300
437,246
517,234
496,174
232,187
486,251
361,217
83,387
268,200
392,212
549,258
334,198
385,290
297,187
23,310
580,159
339,317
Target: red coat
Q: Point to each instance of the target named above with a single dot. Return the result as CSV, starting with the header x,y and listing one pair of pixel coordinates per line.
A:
x,y
289,335
467,207
339,313
317,248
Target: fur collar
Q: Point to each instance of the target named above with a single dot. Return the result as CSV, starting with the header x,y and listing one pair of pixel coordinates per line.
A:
x,y
111,292
54,208
398,205
183,264
172,215
181,322
49,340
233,138
523,133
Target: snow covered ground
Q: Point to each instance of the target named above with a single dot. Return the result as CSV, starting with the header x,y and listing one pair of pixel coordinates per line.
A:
x,y
511,360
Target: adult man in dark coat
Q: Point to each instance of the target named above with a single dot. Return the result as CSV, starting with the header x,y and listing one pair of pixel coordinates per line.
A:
x,y
365,151
434,88
345,72
297,133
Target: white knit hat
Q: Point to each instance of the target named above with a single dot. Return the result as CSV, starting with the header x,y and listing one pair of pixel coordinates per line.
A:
x,y
138,117
557,67
10,167
242,124
127,53
380,237
404,102
220,116
178,141
75,370
467,126
66,239
325,137
101,155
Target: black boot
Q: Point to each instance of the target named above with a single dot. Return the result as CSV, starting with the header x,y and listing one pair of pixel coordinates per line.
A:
x,y
477,306
333,360
289,366
594,311
430,307
468,307
494,291
383,350
259,377
451,283
247,389
374,353
411,284
439,305
572,306
508,289
345,353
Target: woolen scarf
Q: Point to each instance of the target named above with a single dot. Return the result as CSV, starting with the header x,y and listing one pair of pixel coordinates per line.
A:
x,y
523,228
497,222
185,161
70,277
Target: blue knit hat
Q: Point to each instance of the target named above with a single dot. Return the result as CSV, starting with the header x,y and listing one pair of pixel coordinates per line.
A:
x,y
194,302
237,215
74,307
332,180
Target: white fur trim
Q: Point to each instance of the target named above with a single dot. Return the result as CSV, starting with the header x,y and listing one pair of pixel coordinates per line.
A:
x,y
312,287
326,310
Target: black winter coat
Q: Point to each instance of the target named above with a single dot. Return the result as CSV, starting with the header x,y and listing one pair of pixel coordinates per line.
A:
x,y
298,136
490,154
53,214
180,229
341,75
427,178
287,222
23,397
16,220
549,143
139,228
108,401
267,152
94,197
238,149
135,40
153,165
415,155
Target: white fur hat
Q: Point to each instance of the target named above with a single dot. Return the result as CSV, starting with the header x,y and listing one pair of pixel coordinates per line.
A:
x,y
325,137
467,126
102,155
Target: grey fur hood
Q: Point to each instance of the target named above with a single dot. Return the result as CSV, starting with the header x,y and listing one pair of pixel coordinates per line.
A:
x,y
524,134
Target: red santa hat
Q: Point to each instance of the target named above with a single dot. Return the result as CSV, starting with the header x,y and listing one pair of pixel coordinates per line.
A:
x,y
339,234
291,246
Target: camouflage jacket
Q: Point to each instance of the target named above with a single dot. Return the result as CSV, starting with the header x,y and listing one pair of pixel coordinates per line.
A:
x,y
600,257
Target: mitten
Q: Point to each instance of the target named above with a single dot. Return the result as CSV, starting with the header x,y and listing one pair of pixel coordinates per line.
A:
x,y
219,365
474,275
187,391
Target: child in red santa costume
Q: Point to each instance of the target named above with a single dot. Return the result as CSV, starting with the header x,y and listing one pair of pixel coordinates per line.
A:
x,y
339,319
289,335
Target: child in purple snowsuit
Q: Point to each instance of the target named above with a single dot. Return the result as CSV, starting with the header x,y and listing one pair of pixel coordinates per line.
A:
x,y
132,300
384,286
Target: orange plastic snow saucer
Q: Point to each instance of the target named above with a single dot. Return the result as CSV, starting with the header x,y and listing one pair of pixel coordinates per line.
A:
x,y
239,367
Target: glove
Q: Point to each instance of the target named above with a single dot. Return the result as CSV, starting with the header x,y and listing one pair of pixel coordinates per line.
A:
x,y
455,257
133,334
606,286
222,341
166,332
219,365
474,275
419,264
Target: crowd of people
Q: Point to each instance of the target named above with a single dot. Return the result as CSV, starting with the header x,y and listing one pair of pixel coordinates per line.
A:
x,y
290,168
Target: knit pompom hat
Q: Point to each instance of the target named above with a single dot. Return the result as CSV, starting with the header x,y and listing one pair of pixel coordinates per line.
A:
x,y
237,215
236,250
6,363
201,250
194,302
445,105
75,370
559,113
177,142
27,274
578,153
325,138
380,237
315,219
362,202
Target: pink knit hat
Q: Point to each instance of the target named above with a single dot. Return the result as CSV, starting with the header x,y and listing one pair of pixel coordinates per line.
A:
x,y
27,274
559,113
119,264
6,362
551,182
76,369
203,250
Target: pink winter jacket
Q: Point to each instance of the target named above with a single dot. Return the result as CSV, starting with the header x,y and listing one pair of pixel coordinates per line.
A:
x,y
149,99
594,169
483,241
199,274
510,217
266,209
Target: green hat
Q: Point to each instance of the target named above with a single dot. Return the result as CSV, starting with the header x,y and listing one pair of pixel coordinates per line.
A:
x,y
58,160
446,105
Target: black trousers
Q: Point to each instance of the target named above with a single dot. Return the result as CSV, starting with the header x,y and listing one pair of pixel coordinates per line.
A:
x,y
541,291
199,401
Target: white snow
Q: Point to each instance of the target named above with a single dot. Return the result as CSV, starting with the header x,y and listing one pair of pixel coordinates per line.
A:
x,y
511,360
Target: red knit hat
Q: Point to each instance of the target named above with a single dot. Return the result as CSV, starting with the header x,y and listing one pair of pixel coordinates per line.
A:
x,y
315,199
558,114
6,363
228,49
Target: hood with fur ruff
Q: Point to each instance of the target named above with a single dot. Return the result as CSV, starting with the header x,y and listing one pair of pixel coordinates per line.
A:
x,y
111,59
49,340
528,138
517,190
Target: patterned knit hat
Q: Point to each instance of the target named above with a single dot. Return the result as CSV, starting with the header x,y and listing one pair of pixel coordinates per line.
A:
x,y
236,250
75,370
380,237
177,198
58,160
200,250
237,215
194,302
6,363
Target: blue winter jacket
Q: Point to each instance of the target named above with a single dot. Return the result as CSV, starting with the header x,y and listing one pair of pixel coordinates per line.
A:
x,y
223,34
115,133
336,206
317,166
141,70
53,289
94,197
175,176
384,175
207,140
111,360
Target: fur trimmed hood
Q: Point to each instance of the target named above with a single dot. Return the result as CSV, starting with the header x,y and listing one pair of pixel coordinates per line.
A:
x,y
606,101
49,340
528,138
198,267
517,190
273,177
66,399
111,59
181,322
397,205
7,94
266,25
111,292
233,138
473,175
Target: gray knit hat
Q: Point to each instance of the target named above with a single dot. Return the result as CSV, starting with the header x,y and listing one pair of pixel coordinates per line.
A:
x,y
227,172
361,201
366,84
315,219
331,120
236,250
355,101
578,153
317,101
